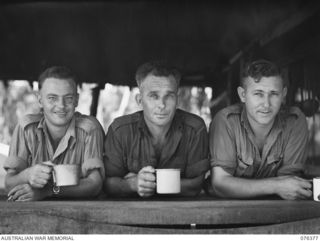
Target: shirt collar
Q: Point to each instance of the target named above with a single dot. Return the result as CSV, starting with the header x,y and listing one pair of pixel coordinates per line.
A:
x,y
68,139
71,131
279,121
176,124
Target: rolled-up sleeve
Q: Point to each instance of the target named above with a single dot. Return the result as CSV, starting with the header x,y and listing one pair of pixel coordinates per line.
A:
x,y
18,153
113,159
93,154
222,144
198,162
295,154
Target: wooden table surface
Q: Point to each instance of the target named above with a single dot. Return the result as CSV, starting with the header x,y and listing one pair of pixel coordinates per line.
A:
x,y
162,215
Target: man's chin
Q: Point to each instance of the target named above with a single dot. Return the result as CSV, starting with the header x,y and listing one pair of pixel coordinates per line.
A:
x,y
162,122
62,122
265,122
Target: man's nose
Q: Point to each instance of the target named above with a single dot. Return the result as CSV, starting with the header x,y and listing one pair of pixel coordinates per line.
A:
x,y
161,103
266,101
61,102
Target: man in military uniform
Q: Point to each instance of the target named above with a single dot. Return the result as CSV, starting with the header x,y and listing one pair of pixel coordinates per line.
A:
x,y
159,136
58,135
258,147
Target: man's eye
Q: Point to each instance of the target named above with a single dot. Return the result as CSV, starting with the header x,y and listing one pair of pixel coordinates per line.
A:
x,y
52,98
153,96
258,94
69,99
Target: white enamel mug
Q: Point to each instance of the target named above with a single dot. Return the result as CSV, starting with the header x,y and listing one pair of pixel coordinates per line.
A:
x,y
66,175
168,181
316,189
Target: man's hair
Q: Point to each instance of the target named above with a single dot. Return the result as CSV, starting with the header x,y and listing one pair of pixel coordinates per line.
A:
x,y
258,69
159,69
58,72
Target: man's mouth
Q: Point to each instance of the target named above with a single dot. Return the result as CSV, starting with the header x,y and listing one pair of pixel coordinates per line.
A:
x,y
61,113
265,112
161,115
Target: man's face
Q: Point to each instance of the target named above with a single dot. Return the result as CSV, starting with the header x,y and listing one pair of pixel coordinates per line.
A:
x,y
158,98
58,98
262,99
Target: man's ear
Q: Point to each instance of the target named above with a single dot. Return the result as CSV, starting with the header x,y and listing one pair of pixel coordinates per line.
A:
x,y
138,98
284,92
242,94
39,98
77,100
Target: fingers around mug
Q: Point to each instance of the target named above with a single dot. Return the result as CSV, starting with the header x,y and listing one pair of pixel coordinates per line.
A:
x,y
46,169
42,181
150,177
148,185
305,192
148,169
305,184
45,176
36,185
48,163
38,182
145,192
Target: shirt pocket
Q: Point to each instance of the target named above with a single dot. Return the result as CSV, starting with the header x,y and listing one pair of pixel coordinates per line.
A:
x,y
245,166
273,163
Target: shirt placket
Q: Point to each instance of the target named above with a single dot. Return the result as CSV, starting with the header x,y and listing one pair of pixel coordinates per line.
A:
x,y
49,147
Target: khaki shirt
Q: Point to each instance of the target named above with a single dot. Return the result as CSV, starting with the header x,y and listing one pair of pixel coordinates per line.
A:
x,y
128,146
82,144
233,147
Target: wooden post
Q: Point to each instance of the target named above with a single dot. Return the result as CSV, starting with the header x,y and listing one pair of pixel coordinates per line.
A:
x,y
95,100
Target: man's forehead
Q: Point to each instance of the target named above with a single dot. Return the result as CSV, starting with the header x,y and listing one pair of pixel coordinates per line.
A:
x,y
58,82
58,86
272,82
158,83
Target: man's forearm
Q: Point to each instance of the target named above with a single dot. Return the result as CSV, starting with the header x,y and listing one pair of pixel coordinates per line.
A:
x,y
234,187
191,186
13,178
87,187
118,186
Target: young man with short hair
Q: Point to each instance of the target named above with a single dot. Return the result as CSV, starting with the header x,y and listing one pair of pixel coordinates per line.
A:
x,y
259,147
58,135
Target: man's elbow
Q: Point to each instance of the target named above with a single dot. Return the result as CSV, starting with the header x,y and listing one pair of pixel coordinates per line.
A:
x,y
218,188
192,192
96,188
112,188
7,184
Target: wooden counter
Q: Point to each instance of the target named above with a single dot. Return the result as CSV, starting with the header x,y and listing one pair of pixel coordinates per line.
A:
x,y
160,215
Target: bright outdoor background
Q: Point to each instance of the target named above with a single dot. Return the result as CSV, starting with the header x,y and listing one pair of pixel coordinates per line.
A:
x,y
18,98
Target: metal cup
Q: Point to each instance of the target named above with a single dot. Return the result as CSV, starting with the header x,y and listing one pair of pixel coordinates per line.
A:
x,y
66,175
168,181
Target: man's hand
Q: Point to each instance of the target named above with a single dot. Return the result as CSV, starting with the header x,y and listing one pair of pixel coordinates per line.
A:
x,y
146,182
39,174
292,188
24,192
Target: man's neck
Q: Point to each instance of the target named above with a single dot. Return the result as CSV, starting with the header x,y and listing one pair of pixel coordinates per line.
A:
x,y
158,133
56,133
261,132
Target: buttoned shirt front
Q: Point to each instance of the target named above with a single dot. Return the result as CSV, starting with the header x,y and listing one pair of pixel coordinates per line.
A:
x,y
128,146
82,144
233,147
